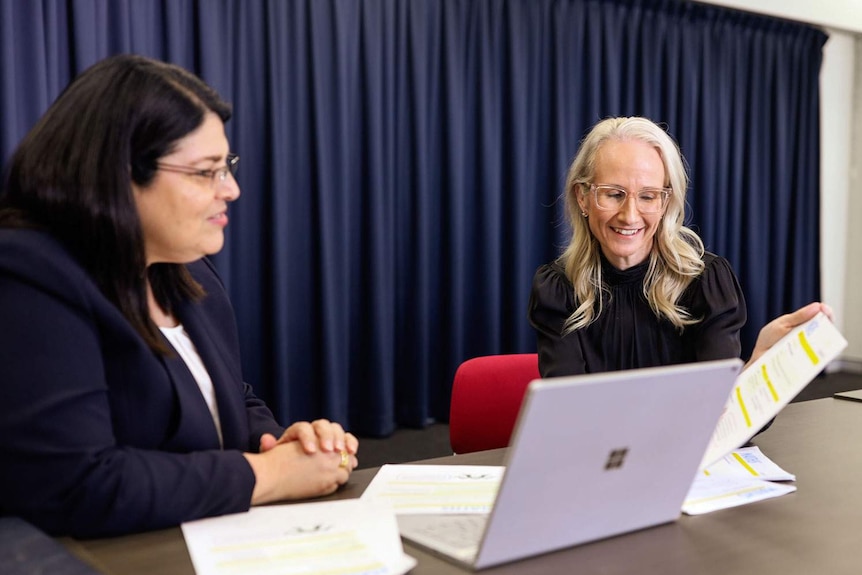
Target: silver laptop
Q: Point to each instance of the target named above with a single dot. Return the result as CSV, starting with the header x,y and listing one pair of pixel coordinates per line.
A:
x,y
592,456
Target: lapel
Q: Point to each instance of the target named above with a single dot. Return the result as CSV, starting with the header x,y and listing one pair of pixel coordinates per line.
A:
x,y
195,428
226,383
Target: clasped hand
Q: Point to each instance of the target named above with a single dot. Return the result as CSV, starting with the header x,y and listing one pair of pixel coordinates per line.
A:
x,y
308,460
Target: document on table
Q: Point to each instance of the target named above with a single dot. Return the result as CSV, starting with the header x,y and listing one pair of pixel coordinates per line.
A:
x,y
736,479
766,386
437,489
748,462
349,537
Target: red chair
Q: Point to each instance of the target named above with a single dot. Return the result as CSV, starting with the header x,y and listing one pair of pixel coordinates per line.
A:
x,y
486,396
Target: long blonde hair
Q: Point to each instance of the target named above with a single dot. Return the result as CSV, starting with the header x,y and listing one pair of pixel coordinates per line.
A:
x,y
677,254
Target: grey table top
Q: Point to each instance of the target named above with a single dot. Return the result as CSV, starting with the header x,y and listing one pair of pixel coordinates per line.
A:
x,y
817,529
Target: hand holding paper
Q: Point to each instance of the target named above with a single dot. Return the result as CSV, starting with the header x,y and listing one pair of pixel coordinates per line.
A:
x,y
769,383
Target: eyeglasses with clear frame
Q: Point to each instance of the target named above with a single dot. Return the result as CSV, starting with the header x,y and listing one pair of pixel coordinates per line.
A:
x,y
611,197
215,176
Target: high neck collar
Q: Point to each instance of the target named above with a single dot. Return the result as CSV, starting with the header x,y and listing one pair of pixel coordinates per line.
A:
x,y
613,275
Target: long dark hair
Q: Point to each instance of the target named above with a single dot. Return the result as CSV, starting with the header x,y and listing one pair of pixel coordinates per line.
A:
x,y
71,175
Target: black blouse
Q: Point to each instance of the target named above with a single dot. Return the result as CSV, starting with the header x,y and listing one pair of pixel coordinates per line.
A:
x,y
628,334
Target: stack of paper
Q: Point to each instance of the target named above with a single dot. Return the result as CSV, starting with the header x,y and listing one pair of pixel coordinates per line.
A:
x,y
436,489
744,476
349,537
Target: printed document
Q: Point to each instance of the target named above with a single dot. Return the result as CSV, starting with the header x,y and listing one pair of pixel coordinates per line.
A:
x,y
744,476
349,537
748,462
767,385
723,491
435,489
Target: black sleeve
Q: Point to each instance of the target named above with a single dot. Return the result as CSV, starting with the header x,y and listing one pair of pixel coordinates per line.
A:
x,y
551,304
718,300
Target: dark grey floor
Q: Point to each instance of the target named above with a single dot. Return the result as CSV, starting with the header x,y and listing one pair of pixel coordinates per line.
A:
x,y
405,445
433,441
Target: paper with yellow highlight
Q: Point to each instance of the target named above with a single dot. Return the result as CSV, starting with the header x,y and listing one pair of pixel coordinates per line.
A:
x,y
349,537
766,386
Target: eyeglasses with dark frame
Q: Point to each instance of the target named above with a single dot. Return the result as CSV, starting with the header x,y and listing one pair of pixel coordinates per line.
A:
x,y
612,197
215,176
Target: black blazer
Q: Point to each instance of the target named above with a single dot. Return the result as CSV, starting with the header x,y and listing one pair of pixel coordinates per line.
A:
x,y
99,435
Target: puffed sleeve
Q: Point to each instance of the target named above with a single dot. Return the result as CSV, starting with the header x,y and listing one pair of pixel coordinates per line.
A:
x,y
551,304
718,299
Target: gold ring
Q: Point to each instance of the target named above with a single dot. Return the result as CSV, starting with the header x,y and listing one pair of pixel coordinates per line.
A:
x,y
345,460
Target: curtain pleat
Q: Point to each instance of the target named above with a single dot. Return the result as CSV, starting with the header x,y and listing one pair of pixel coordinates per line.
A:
x,y
403,163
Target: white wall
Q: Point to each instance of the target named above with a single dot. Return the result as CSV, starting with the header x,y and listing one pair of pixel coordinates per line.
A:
x,y
852,324
841,148
836,14
837,87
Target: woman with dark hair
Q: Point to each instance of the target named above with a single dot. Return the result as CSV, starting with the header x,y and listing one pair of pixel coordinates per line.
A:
x,y
123,406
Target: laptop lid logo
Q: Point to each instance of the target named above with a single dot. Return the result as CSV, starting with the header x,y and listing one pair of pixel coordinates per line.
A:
x,y
616,458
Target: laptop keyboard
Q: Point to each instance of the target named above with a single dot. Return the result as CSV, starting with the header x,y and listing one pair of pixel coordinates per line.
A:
x,y
457,535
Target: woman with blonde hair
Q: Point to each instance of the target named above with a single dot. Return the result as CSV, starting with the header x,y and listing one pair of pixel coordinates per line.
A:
x,y
635,287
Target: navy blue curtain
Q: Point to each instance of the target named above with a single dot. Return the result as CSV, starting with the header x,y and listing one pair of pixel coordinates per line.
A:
x,y
403,160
